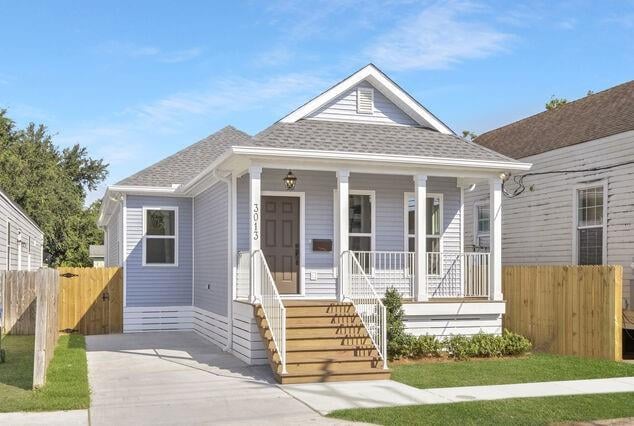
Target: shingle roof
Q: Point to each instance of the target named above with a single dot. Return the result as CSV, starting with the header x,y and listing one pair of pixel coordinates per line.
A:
x,y
595,116
371,138
186,164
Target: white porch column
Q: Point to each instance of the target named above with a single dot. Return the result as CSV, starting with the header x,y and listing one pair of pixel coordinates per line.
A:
x,y
255,173
495,237
342,219
420,182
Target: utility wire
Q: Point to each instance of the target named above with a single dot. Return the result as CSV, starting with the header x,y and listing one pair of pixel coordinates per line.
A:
x,y
520,187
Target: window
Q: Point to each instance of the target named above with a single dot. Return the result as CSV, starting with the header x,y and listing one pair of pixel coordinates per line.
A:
x,y
481,225
433,228
8,246
590,232
360,219
160,230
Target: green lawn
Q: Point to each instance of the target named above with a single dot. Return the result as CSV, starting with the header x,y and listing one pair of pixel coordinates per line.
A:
x,y
66,381
521,411
533,368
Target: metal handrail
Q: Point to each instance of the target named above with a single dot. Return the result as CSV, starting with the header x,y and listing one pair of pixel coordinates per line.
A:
x,y
359,290
272,306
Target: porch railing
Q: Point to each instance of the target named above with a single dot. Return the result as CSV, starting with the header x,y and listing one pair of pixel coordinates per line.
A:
x,y
448,274
367,303
272,305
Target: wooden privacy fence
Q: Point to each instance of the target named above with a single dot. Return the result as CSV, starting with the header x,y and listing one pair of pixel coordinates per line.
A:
x,y
91,300
29,301
567,310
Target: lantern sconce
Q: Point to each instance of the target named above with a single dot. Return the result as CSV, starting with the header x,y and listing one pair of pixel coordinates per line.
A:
x,y
289,181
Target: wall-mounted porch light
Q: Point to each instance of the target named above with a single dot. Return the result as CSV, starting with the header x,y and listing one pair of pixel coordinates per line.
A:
x,y
289,181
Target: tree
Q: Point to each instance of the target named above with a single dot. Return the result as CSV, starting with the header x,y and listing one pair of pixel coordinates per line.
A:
x,y
555,102
51,185
469,135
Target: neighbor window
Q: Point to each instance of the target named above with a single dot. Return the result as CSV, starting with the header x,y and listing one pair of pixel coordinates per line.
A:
x,y
433,229
360,221
590,225
160,245
8,246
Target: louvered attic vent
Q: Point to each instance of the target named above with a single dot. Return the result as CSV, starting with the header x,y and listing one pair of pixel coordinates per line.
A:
x,y
365,100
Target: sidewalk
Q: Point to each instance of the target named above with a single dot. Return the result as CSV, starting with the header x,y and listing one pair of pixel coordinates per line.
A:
x,y
48,418
327,397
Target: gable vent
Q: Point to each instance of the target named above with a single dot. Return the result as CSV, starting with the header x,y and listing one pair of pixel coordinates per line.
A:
x,y
365,100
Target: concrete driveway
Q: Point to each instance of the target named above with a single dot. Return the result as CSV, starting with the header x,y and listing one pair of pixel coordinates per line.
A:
x,y
171,378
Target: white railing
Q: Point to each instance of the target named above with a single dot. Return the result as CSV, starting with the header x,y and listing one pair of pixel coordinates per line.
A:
x,y
243,275
271,302
476,278
358,289
387,269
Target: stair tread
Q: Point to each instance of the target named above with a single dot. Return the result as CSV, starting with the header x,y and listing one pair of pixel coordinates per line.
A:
x,y
320,372
304,303
333,348
302,326
335,359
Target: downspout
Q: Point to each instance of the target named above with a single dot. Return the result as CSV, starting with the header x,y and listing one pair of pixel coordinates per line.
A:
x,y
230,253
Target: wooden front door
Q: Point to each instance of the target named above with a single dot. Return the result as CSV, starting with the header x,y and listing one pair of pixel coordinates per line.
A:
x,y
280,241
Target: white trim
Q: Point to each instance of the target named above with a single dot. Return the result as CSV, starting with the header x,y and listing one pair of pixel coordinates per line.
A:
x,y
575,218
476,233
372,235
193,200
366,91
380,158
382,83
302,237
124,244
175,237
441,237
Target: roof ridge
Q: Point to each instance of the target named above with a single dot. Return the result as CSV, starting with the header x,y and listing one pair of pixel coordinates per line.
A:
x,y
560,108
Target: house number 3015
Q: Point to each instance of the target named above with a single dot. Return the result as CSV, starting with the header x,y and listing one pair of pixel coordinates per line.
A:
x,y
256,218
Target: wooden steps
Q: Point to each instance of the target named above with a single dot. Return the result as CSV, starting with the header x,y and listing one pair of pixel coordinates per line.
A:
x,y
325,341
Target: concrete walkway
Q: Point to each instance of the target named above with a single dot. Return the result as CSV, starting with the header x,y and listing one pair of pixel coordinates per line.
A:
x,y
327,397
48,418
180,378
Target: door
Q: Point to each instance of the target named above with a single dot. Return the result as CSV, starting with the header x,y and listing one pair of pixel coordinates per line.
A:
x,y
280,241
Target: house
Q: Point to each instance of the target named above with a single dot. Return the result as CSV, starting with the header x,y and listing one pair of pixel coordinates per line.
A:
x,y
21,240
576,206
279,246
97,255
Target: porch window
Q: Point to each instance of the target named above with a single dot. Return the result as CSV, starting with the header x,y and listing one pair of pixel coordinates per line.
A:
x,y
481,213
360,218
160,236
590,225
433,229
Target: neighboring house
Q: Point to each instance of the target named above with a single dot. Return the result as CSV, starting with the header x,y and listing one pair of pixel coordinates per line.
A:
x,y
97,255
578,202
348,195
21,240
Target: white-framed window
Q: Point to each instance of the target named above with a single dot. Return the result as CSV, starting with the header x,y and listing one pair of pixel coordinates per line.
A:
x,y
160,236
590,222
433,228
28,253
361,220
481,223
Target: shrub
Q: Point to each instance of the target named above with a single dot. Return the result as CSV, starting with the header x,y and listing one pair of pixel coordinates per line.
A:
x,y
487,345
459,347
399,343
515,344
400,346
426,346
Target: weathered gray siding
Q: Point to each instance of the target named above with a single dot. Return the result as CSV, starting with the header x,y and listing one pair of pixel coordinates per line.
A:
x,y
9,213
319,190
113,236
537,226
211,225
158,285
344,108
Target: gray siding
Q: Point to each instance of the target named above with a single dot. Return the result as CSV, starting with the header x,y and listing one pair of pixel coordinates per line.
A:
x,y
537,226
344,108
211,239
158,285
9,213
390,215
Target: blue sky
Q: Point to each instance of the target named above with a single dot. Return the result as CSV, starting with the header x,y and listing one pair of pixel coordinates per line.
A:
x,y
137,81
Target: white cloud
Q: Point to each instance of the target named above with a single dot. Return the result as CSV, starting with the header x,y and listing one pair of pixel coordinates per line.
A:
x,y
152,52
439,36
567,24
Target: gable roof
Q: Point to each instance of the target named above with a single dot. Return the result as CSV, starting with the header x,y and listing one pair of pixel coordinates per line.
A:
x,y
187,163
339,136
595,116
381,82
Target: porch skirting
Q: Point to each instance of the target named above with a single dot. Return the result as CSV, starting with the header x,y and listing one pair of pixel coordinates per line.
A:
x,y
247,343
